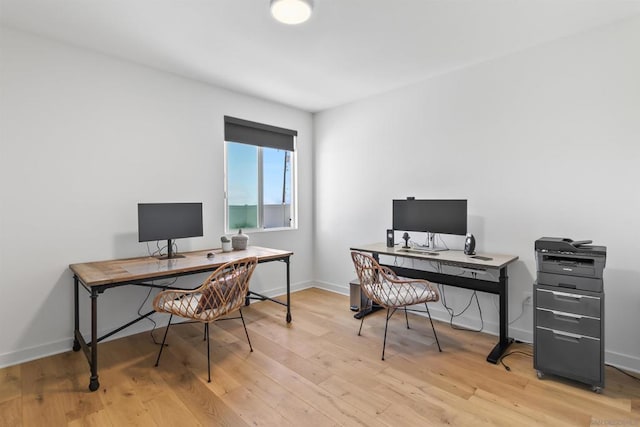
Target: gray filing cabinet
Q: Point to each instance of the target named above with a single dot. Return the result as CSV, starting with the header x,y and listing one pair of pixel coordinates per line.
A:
x,y
568,296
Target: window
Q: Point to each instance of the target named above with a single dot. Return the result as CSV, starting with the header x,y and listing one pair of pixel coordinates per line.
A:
x,y
259,176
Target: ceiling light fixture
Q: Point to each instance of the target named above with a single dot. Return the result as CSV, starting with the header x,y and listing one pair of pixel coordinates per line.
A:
x,y
291,12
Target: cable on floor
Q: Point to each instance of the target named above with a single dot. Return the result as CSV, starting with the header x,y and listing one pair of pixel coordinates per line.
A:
x,y
506,367
624,372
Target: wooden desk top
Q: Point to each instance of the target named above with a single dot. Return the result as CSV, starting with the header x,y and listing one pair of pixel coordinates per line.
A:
x,y
451,256
134,269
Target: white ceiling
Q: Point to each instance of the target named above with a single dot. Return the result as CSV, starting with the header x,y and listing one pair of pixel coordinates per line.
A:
x,y
350,49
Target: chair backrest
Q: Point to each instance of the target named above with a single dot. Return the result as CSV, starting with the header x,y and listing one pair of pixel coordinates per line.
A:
x,y
368,271
223,292
382,286
226,288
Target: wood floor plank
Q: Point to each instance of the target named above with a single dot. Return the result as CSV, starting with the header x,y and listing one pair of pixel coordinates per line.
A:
x,y
536,417
189,356
356,395
205,406
315,371
292,409
10,383
11,412
305,367
332,406
94,419
167,409
253,409
428,401
50,390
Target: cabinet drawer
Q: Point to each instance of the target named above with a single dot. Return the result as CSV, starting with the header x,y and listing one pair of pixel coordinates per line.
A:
x,y
568,322
570,282
569,355
568,302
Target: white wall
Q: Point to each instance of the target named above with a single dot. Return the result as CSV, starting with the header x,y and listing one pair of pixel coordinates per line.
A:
x,y
541,143
84,138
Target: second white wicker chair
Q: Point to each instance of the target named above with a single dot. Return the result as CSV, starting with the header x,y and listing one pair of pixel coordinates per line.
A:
x,y
383,287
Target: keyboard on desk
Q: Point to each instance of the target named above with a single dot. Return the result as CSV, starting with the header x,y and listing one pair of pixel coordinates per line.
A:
x,y
418,251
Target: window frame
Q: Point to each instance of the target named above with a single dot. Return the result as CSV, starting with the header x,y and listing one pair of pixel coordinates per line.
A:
x,y
293,160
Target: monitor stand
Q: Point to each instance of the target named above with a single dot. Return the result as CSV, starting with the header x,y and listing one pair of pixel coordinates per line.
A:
x,y
170,254
432,244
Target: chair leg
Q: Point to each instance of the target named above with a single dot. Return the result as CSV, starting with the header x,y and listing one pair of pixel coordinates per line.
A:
x,y
434,329
206,332
245,329
163,340
386,323
406,317
369,305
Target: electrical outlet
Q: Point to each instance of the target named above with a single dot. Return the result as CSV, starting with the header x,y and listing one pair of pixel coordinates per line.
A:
x,y
528,298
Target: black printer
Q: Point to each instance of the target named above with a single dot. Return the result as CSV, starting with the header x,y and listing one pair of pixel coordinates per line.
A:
x,y
568,318
570,264
560,244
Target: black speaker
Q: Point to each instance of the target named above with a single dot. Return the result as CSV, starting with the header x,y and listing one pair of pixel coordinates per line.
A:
x,y
470,244
390,239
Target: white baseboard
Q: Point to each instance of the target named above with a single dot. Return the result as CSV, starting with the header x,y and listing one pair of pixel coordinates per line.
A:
x,y
36,352
622,361
338,289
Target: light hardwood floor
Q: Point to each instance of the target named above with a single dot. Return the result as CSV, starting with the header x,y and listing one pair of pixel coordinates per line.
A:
x,y
314,372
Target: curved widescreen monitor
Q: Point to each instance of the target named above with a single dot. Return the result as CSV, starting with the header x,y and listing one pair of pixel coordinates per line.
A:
x,y
430,216
168,221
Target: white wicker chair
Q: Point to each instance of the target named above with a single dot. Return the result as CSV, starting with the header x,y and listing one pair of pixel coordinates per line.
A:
x,y
222,293
383,287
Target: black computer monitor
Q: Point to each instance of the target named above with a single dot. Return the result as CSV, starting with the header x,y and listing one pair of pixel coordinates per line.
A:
x,y
168,221
430,216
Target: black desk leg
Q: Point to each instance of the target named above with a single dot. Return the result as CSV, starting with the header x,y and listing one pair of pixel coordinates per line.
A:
x,y
288,292
248,297
503,344
76,314
367,311
93,382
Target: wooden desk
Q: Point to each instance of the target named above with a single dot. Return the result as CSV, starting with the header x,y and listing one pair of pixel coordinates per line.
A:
x,y
97,277
479,262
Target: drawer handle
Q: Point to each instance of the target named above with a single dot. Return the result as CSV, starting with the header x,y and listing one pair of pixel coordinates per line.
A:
x,y
566,295
567,336
562,315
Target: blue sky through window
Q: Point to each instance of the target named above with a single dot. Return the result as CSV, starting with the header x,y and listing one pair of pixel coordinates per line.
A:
x,y
242,175
276,174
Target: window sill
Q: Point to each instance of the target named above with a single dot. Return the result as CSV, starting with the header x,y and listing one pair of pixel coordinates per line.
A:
x,y
260,230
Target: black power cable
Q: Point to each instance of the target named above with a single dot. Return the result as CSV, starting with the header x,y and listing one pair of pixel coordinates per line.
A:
x,y
506,367
452,313
155,325
626,373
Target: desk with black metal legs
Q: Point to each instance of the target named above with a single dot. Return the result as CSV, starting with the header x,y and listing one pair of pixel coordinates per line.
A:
x,y
479,262
97,277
